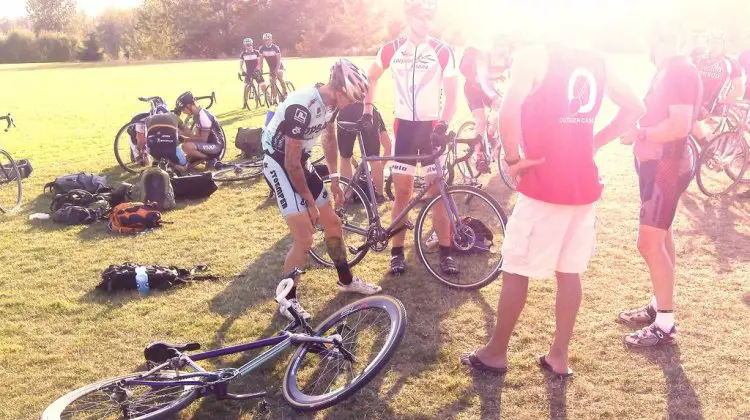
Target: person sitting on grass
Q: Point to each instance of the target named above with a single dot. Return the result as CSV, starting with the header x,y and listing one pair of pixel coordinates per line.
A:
x,y
209,141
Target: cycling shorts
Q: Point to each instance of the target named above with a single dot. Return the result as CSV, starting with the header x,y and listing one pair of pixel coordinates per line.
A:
x,y
273,73
209,149
289,201
371,138
662,182
256,75
475,97
413,138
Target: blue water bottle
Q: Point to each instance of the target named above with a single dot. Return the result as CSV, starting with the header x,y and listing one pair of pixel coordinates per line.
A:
x,y
269,115
141,281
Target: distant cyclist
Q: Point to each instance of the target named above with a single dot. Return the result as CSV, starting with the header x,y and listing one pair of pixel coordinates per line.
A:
x,y
722,77
271,53
483,70
423,69
303,200
209,142
249,65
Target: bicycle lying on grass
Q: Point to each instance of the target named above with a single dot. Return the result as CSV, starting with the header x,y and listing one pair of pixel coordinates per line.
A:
x,y
11,189
475,220
330,363
223,171
126,147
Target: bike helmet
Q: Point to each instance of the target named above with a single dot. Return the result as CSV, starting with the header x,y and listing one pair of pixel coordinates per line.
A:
x,y
412,6
160,109
247,41
350,79
267,36
184,99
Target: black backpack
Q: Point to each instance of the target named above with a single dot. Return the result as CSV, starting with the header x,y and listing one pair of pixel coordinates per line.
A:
x,y
122,277
82,181
193,186
24,169
69,214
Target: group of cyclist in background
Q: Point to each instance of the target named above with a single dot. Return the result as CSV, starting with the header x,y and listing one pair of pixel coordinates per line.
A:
x,y
251,66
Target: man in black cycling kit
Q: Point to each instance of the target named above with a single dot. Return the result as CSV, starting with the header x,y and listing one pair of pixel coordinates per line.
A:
x,y
209,142
272,54
250,58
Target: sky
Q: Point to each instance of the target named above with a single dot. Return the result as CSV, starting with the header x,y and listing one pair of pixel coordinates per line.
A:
x,y
17,8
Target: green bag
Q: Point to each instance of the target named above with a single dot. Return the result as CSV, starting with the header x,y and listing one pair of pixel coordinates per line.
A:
x,y
154,186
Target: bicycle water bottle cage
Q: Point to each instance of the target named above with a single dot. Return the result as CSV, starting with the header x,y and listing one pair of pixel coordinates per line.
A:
x,y
160,352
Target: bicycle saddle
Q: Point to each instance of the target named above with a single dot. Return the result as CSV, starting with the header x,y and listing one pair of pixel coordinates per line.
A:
x,y
160,352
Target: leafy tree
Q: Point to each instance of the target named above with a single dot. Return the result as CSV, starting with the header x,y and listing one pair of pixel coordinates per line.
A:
x,y
50,15
91,50
115,28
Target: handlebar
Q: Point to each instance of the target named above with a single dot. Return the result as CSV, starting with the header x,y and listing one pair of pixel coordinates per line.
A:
x,y
151,99
9,119
211,97
439,145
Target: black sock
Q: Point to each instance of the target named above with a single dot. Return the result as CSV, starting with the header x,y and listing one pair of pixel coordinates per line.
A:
x,y
397,250
292,293
345,274
445,251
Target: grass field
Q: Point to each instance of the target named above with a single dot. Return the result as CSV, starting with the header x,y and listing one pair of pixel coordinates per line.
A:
x,y
57,333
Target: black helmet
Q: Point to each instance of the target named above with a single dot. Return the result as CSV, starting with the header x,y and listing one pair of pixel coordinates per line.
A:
x,y
184,99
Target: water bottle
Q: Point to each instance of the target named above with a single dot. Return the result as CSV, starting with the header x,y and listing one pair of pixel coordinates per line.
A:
x,y
39,216
269,116
141,281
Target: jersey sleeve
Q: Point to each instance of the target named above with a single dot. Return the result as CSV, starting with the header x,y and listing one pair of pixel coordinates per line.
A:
x,y
204,122
276,49
296,121
385,55
684,86
447,61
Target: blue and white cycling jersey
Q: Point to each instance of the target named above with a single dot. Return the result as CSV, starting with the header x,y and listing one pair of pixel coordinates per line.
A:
x,y
302,116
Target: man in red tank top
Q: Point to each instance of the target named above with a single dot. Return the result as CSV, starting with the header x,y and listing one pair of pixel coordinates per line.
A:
x,y
552,102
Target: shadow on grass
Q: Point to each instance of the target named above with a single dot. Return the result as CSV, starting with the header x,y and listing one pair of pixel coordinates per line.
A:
x,y
714,219
682,400
230,117
557,397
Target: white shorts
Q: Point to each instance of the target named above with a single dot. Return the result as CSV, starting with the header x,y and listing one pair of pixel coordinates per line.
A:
x,y
289,201
543,238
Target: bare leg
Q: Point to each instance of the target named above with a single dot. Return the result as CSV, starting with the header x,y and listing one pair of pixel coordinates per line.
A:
x,y
404,185
440,221
652,244
512,300
567,302
346,167
377,175
302,236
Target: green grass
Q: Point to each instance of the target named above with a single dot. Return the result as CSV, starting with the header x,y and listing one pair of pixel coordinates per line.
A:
x,y
57,333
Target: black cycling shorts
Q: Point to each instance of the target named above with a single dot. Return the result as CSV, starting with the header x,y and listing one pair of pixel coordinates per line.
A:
x,y
475,97
209,149
256,75
370,138
412,138
661,183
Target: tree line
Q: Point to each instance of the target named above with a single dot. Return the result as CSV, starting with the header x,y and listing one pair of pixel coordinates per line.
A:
x,y
54,30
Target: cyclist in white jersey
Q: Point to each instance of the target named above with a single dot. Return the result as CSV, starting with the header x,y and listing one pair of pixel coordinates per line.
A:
x,y
422,68
302,198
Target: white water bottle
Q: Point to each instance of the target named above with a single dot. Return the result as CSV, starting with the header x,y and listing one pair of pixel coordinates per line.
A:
x,y
141,281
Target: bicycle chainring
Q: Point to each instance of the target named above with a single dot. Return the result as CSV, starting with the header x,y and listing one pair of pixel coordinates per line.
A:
x,y
378,238
465,237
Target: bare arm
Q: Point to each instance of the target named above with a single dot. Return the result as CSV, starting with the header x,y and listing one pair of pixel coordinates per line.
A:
x,y
293,165
525,66
331,150
631,108
374,76
450,87
242,66
674,128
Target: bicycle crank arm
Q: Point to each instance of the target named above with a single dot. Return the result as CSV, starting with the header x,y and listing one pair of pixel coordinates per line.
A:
x,y
407,225
243,397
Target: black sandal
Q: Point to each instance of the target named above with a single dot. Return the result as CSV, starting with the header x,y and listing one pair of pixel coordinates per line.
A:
x,y
542,361
471,360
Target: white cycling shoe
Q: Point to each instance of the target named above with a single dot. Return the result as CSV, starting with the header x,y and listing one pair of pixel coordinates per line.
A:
x,y
293,303
359,286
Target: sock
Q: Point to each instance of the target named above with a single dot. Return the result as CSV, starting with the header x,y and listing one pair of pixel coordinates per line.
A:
x,y
397,250
445,251
665,320
652,303
292,293
345,274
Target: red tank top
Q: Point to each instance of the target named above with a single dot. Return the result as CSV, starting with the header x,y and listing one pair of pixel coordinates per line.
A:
x,y
558,125
715,76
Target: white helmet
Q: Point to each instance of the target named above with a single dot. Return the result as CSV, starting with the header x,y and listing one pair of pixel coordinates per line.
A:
x,y
351,79
247,41
411,6
267,36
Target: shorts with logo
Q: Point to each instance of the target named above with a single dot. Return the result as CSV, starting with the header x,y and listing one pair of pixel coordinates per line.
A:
x,y
370,138
255,75
661,183
413,138
543,238
289,201
475,97
210,149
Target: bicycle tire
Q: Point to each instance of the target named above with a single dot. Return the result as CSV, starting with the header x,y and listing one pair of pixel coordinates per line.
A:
x,y
270,97
419,228
694,156
11,175
464,168
503,169
57,408
708,159
321,257
119,158
224,149
242,172
398,320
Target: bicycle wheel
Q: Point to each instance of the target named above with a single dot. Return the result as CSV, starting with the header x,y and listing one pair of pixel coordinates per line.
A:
x,y
126,152
355,216
254,92
320,376
114,398
694,155
723,164
239,172
504,170
466,132
268,95
479,260
11,190
224,149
